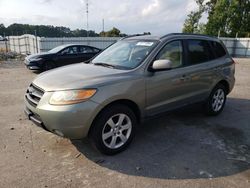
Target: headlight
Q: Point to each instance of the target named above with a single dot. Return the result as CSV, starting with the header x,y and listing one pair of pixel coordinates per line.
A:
x,y
71,96
38,59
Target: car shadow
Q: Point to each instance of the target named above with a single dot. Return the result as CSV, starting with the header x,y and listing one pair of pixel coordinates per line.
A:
x,y
184,144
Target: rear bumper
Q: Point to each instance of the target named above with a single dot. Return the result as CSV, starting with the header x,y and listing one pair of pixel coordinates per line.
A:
x,y
231,85
71,121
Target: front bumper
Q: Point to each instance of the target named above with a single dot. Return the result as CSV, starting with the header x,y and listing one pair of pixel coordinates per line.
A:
x,y
70,121
31,65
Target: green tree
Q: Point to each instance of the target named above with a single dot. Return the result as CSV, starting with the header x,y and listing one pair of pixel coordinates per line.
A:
x,y
230,17
2,29
240,19
44,31
114,32
218,17
191,24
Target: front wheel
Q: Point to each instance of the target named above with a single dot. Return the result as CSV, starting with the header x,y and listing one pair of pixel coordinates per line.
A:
x,y
216,101
114,129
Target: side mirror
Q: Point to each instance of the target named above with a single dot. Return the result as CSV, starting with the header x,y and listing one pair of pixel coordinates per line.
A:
x,y
160,65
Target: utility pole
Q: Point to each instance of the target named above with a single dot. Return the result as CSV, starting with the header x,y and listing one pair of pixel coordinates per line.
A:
x,y
87,14
103,25
219,33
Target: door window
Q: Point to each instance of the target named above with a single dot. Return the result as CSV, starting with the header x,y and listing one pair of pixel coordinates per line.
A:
x,y
218,49
85,49
173,52
69,50
198,51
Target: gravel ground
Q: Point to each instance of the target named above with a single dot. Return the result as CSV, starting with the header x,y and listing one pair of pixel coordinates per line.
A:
x,y
181,149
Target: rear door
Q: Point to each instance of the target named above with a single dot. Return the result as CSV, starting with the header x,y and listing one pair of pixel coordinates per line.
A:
x,y
202,66
86,52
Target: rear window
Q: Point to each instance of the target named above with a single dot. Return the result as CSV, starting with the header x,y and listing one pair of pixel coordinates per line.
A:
x,y
198,51
218,49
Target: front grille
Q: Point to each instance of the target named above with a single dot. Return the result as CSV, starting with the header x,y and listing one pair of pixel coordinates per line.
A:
x,y
34,95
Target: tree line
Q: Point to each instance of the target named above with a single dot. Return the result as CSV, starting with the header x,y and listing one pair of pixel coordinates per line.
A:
x,y
228,18
54,31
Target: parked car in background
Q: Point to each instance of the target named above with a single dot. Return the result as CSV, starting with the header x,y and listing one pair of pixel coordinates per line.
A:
x,y
3,38
133,79
60,56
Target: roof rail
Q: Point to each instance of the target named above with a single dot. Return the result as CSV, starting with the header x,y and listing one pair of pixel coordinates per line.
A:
x,y
190,34
135,35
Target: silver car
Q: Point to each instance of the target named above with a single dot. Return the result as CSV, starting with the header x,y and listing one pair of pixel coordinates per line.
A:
x,y
135,78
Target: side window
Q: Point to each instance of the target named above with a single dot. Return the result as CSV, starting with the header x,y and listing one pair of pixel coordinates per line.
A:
x,y
85,49
218,49
198,51
173,52
95,50
70,50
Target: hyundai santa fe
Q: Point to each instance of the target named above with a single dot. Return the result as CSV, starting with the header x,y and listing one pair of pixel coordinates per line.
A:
x,y
135,78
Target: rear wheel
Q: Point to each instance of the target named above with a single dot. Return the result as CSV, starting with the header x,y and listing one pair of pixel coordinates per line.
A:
x,y
114,129
216,101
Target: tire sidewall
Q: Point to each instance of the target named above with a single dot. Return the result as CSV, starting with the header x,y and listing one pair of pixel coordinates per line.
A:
x,y
209,107
99,123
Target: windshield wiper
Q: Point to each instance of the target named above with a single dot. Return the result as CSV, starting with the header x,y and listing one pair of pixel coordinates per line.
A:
x,y
104,65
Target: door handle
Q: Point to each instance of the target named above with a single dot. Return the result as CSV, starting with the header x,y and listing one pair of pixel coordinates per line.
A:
x,y
217,69
184,77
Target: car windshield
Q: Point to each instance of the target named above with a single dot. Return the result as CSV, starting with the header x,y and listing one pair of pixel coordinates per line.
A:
x,y
125,54
57,49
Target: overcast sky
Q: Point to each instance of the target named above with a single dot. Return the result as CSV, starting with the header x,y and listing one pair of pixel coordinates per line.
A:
x,y
130,16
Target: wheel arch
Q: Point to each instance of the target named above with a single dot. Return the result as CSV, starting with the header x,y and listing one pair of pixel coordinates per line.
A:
x,y
225,84
129,103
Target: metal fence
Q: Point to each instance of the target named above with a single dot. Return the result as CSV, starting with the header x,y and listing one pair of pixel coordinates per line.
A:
x,y
25,44
237,47
98,42
30,44
3,46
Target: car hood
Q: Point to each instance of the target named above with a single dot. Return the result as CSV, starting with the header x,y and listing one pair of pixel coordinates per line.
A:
x,y
79,76
36,56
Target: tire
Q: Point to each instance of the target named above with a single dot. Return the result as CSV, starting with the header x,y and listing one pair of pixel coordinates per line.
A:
x,y
48,65
216,101
109,136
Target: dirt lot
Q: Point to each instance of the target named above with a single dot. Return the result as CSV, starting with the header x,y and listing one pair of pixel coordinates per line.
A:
x,y
181,149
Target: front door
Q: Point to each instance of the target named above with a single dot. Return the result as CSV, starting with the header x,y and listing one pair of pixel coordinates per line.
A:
x,y
68,56
168,89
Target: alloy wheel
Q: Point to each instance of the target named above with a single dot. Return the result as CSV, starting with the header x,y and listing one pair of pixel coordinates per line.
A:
x,y
116,131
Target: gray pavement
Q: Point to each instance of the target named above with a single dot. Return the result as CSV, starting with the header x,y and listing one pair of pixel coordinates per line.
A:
x,y
184,148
